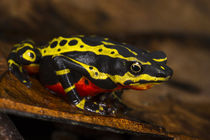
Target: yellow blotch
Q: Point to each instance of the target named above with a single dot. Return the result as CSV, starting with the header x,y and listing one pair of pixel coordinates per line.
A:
x,y
69,89
162,67
160,60
101,108
81,104
27,56
62,72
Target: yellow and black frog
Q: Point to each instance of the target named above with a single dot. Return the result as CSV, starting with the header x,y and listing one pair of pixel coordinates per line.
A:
x,y
81,66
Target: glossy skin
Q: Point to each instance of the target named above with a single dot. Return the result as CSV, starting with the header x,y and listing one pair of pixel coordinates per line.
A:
x,y
82,66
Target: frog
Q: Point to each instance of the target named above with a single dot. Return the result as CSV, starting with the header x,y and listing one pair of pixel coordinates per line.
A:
x,y
78,67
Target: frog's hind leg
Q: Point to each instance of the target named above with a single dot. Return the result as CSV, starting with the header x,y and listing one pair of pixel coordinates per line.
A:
x,y
63,67
117,95
118,103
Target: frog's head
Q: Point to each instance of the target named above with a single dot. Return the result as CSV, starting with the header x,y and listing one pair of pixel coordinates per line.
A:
x,y
150,68
25,52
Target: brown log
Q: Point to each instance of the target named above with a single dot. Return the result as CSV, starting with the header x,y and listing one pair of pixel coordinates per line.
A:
x,y
37,102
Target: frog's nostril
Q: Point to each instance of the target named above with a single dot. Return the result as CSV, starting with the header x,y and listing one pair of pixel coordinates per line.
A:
x,y
165,73
161,75
170,72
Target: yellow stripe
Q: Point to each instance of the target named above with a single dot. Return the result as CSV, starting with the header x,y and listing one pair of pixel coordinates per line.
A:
x,y
20,69
118,78
81,104
160,60
105,51
128,76
20,47
107,43
10,62
62,72
130,50
101,108
69,88
162,67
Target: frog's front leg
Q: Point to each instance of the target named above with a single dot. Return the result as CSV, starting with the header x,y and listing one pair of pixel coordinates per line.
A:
x,y
63,68
22,54
16,68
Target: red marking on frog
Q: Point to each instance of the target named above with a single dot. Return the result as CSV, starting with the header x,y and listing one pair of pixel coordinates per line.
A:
x,y
83,88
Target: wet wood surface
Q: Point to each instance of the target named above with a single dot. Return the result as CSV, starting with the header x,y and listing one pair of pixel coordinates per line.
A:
x,y
39,103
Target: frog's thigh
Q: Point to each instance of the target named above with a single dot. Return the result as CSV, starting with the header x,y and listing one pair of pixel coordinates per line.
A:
x,y
63,72
47,74
64,76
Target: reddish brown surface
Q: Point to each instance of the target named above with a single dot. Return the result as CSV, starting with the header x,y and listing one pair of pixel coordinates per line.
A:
x,y
37,100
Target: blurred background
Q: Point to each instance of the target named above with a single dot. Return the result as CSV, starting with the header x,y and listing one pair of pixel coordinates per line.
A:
x,y
179,28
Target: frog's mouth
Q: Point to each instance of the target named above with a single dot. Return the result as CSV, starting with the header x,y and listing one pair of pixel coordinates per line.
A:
x,y
140,87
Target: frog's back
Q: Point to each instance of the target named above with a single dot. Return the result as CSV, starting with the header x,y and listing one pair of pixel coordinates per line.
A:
x,y
96,45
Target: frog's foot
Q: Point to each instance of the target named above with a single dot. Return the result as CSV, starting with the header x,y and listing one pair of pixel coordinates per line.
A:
x,y
99,108
27,83
20,74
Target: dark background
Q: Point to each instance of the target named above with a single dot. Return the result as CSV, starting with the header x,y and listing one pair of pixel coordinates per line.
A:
x,y
179,28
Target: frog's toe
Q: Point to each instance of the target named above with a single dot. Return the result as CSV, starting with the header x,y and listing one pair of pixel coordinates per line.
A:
x,y
94,107
111,110
106,110
101,110
27,83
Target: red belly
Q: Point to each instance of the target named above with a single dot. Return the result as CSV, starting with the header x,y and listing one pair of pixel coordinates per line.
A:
x,y
83,88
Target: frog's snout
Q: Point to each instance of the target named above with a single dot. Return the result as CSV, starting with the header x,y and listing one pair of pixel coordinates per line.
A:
x,y
165,73
169,72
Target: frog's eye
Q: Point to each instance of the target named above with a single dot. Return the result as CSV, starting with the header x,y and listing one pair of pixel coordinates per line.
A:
x,y
135,67
29,55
